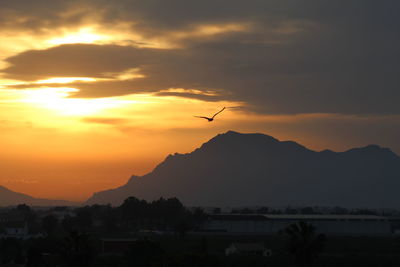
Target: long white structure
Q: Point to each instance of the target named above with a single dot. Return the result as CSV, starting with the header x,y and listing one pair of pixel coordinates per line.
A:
x,y
272,223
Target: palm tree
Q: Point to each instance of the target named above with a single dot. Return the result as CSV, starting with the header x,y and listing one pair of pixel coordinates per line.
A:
x,y
304,244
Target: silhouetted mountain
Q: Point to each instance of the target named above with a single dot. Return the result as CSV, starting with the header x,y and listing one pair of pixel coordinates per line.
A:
x,y
235,169
11,198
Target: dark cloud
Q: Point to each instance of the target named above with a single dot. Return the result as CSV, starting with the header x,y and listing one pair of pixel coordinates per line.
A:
x,y
77,60
36,16
295,57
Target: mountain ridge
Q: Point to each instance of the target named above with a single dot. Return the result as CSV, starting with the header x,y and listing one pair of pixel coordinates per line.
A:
x,y
12,198
256,169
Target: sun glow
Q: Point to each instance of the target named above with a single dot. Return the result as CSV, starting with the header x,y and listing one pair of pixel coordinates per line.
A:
x,y
57,99
82,36
66,80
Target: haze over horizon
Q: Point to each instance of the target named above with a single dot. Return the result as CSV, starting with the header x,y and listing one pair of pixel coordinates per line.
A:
x,y
93,91
228,135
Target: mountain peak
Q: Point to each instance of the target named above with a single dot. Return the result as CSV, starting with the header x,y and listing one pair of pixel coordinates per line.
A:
x,y
235,138
239,169
233,134
238,143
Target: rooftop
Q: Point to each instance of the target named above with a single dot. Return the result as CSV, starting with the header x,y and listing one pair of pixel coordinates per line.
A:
x,y
294,217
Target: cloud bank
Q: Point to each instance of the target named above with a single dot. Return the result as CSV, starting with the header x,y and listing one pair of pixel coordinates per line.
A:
x,y
279,57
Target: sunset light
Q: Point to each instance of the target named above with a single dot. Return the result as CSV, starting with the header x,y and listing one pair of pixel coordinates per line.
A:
x,y
82,36
56,100
199,133
66,80
95,92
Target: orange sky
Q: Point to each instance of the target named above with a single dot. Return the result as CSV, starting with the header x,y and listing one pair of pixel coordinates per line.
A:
x,y
71,126
71,156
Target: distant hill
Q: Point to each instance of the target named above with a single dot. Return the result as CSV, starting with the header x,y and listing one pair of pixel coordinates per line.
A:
x,y
11,198
234,169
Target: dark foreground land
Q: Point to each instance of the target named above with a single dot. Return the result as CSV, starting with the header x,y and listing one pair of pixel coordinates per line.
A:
x,y
339,251
104,236
198,250
194,250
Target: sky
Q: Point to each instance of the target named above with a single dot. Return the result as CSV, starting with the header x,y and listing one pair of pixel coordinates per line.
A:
x,y
94,91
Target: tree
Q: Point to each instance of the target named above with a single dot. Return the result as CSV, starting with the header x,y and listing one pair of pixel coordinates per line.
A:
x,y
307,210
182,226
199,216
69,224
84,219
79,250
263,210
28,214
290,210
133,211
304,244
49,224
24,208
216,211
339,210
246,211
235,211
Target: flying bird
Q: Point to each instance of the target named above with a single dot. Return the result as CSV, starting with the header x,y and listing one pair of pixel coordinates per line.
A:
x,y
212,118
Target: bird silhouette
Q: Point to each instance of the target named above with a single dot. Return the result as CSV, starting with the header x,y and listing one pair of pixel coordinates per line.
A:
x,y
212,118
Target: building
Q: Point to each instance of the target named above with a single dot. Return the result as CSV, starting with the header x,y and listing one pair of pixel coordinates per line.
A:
x,y
17,229
272,224
13,225
248,249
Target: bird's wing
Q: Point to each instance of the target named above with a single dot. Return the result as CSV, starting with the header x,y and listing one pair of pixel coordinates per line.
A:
x,y
202,117
218,112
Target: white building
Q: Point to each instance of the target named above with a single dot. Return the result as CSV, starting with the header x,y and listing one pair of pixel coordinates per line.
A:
x,y
272,223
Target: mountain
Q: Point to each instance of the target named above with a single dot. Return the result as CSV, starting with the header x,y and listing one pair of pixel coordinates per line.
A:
x,y
11,198
235,169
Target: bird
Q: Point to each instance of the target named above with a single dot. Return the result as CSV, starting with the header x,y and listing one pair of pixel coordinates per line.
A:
x,y
212,118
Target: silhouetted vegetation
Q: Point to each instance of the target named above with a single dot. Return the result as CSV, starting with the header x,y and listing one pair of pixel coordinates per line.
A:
x,y
78,250
304,243
49,224
165,233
